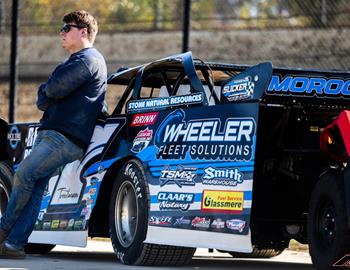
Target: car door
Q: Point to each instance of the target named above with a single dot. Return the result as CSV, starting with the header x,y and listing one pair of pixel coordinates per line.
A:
x,y
199,158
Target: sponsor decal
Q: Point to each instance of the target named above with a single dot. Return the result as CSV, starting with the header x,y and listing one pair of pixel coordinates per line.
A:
x,y
70,224
161,220
92,191
144,119
182,221
94,181
85,211
78,225
65,193
41,215
239,89
55,223
200,222
218,224
38,225
14,137
222,201
63,224
157,103
142,140
205,139
222,176
30,139
305,86
46,225
84,223
181,176
235,225
175,200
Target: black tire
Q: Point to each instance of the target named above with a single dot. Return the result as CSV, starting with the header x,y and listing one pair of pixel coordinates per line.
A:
x,y
32,248
130,192
6,176
257,253
328,232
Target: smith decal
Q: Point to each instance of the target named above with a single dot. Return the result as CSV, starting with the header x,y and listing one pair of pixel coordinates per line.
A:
x,y
222,176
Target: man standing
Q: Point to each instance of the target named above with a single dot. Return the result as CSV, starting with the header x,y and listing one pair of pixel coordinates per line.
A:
x,y
71,100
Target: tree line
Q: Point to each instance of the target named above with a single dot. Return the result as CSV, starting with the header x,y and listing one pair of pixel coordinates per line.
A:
x,y
148,15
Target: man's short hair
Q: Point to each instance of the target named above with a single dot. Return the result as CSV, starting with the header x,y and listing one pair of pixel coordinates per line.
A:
x,y
83,18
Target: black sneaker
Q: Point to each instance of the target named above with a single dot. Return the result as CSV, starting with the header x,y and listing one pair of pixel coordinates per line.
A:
x,y
8,252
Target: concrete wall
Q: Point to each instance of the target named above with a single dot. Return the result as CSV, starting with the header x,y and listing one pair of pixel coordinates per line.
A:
x,y
38,55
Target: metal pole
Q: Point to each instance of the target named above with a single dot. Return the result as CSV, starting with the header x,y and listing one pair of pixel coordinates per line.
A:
x,y
186,26
157,15
13,61
2,16
324,12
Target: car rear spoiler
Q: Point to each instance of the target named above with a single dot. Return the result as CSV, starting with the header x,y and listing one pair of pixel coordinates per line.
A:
x,y
287,85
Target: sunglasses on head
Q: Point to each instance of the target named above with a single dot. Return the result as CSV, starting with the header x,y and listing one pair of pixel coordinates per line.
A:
x,y
66,28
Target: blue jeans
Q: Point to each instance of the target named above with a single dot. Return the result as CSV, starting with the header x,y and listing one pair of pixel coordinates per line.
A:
x,y
51,151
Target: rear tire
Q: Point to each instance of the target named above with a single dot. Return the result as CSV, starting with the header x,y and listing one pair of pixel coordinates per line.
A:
x,y
128,222
6,176
328,232
257,253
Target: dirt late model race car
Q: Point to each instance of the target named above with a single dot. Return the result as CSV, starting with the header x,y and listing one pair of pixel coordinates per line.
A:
x,y
206,155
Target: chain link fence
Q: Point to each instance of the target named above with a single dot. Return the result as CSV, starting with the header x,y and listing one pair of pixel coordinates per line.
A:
x,y
301,33
160,15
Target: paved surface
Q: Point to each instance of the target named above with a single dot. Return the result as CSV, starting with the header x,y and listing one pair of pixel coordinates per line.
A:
x,y
99,255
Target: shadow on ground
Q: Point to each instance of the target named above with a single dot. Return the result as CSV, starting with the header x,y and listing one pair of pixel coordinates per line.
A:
x,y
196,263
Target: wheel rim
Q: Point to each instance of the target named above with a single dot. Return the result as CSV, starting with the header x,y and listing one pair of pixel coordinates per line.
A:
x,y
126,213
326,223
4,198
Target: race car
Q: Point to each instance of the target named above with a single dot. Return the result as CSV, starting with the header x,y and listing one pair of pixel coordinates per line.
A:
x,y
191,147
